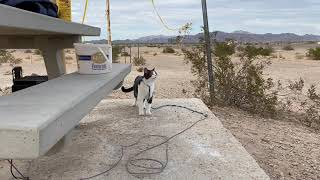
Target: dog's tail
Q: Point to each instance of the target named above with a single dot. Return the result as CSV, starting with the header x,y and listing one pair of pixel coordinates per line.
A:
x,y
126,90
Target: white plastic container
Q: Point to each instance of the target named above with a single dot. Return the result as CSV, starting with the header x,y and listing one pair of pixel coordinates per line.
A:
x,y
93,58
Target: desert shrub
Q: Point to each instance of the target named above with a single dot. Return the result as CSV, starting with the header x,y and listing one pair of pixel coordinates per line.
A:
x,y
7,57
299,56
27,51
311,108
140,69
37,52
288,48
16,61
139,61
296,85
125,54
155,54
241,85
314,53
274,56
168,50
252,51
116,51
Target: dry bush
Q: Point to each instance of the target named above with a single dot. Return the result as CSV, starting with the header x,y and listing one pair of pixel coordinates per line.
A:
x,y
168,50
309,105
139,61
288,48
16,61
7,57
125,54
299,56
38,52
27,51
155,54
140,69
274,56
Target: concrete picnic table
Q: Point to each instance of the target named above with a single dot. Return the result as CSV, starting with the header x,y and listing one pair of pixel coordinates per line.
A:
x,y
34,120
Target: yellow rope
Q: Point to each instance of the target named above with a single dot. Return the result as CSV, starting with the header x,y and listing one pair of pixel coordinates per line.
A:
x,y
161,19
85,11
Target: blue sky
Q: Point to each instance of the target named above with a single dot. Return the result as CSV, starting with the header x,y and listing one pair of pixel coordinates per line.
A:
x,y
131,19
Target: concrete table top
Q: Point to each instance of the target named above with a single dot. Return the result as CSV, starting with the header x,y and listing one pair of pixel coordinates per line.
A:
x,y
20,22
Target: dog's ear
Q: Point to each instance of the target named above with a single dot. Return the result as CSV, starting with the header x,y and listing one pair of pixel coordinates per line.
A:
x,y
153,69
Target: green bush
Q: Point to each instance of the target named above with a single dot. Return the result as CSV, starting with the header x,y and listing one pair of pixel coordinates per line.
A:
x,y
314,53
288,48
252,51
139,61
168,50
241,85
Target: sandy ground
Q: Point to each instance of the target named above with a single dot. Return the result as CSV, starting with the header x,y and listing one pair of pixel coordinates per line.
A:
x,y
284,149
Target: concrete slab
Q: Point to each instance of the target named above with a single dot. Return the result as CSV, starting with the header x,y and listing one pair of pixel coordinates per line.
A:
x,y
208,151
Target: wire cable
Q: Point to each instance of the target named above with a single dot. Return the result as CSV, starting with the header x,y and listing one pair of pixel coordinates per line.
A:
x,y
161,19
12,166
85,11
134,164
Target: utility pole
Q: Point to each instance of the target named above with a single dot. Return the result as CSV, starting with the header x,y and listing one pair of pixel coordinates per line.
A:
x,y
108,23
130,53
208,48
138,50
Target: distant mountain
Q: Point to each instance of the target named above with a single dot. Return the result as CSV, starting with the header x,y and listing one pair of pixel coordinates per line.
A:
x,y
240,36
241,32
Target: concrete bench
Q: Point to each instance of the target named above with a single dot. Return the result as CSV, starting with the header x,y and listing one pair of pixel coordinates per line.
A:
x,y
35,119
